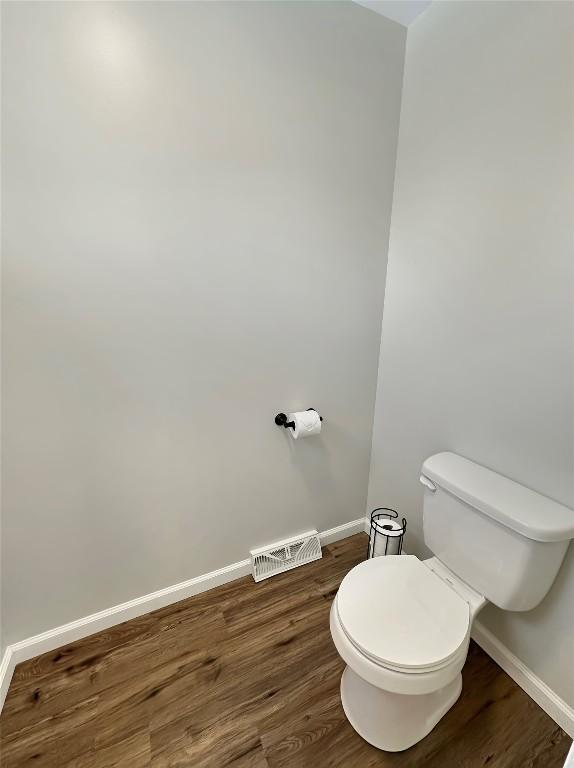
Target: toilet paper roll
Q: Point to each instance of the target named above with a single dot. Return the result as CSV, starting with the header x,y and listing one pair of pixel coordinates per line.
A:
x,y
307,423
387,530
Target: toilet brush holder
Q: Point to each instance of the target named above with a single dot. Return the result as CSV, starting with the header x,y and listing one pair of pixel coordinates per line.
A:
x,y
386,532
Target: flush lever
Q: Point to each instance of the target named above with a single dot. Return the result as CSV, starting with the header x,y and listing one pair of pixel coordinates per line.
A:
x,y
428,483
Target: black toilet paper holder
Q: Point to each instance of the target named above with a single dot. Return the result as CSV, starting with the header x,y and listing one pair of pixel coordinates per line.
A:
x,y
281,419
380,527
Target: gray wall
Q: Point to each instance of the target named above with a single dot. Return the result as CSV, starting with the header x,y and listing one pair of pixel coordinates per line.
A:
x,y
196,210
478,334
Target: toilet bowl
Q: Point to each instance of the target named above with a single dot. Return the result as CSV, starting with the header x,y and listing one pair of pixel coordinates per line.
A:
x,y
402,625
404,634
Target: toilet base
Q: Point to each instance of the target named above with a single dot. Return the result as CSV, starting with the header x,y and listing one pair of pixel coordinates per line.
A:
x,y
394,721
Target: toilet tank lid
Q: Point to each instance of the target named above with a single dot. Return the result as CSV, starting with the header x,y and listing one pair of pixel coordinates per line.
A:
x,y
511,504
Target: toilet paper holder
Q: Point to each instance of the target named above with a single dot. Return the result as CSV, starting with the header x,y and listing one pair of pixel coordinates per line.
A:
x,y
385,525
281,419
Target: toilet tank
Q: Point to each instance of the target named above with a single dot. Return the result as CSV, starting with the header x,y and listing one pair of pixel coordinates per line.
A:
x,y
504,540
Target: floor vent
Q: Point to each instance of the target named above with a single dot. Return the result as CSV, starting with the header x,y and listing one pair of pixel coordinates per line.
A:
x,y
284,555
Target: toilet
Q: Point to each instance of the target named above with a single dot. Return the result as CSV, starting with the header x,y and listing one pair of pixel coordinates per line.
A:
x,y
402,625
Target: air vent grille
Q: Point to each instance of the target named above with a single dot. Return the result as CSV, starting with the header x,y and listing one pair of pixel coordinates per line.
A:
x,y
284,555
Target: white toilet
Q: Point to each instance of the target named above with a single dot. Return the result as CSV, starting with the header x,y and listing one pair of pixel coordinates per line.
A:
x,y
402,625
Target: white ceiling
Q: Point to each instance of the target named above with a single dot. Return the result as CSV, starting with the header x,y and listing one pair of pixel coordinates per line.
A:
x,y
403,11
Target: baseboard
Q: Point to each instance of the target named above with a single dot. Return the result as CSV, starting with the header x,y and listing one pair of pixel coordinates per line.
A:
x,y
96,622
7,666
342,531
561,712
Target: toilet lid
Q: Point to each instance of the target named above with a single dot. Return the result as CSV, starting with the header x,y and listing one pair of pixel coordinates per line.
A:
x,y
397,611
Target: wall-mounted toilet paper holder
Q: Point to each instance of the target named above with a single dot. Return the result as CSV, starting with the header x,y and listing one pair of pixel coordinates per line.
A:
x,y
281,420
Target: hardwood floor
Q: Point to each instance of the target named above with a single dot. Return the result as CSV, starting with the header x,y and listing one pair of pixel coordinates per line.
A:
x,y
246,675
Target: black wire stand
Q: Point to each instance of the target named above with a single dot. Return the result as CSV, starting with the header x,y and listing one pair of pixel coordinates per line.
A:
x,y
380,527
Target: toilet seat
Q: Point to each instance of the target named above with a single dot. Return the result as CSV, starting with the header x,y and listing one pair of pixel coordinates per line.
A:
x,y
401,615
461,652
396,681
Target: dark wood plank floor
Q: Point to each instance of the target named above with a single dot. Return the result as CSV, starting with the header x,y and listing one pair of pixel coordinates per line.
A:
x,y
246,676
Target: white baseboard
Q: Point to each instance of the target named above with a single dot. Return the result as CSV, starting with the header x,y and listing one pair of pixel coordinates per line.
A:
x,y
342,531
96,622
561,712
7,666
